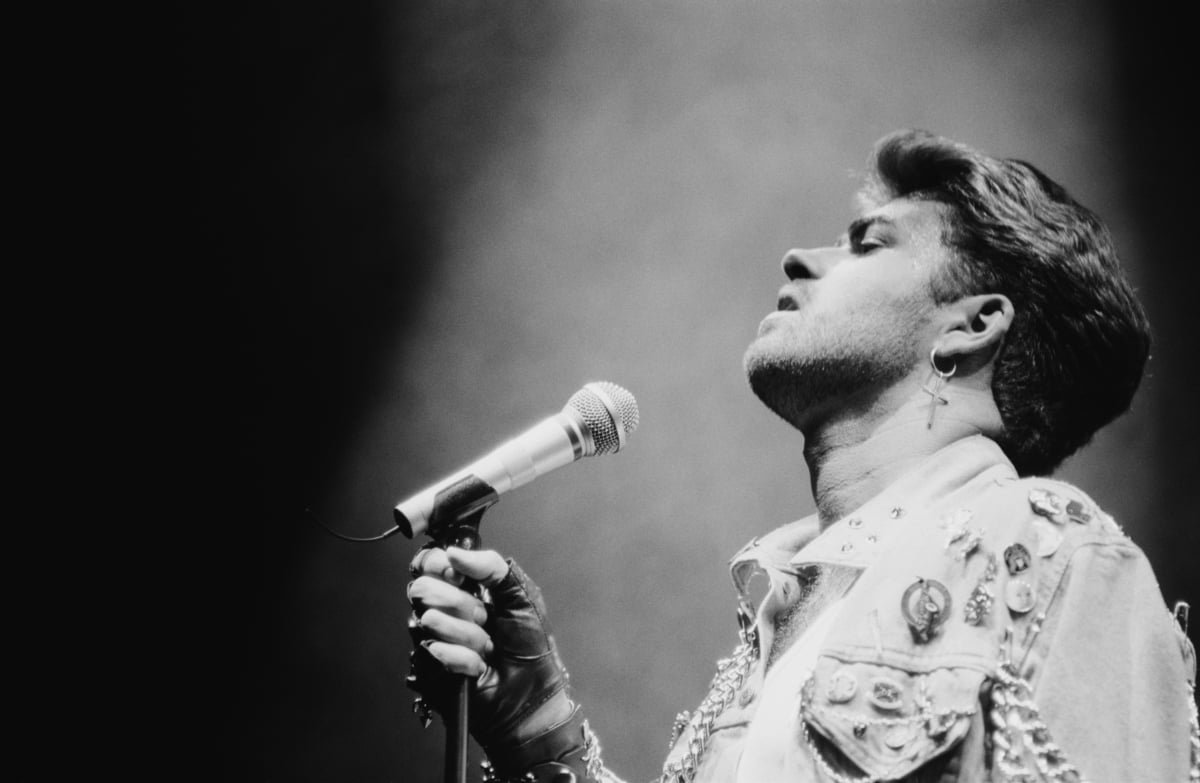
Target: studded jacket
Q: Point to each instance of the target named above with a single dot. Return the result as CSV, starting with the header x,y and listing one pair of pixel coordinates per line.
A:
x,y
998,629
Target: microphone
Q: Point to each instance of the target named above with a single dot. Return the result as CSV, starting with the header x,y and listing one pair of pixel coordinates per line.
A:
x,y
596,420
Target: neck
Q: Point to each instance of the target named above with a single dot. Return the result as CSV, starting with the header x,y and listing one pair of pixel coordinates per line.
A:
x,y
857,452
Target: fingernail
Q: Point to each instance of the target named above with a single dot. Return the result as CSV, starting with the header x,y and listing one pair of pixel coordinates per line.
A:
x,y
427,643
480,615
489,648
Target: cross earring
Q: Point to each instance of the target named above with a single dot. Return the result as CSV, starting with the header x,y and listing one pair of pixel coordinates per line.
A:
x,y
933,387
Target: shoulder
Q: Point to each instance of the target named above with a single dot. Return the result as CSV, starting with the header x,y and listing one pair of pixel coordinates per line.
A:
x,y
1089,567
1097,654
1060,518
1078,541
1072,558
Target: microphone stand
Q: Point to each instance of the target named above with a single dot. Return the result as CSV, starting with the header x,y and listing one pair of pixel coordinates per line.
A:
x,y
457,512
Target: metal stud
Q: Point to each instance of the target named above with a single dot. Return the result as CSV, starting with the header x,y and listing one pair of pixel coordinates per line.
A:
x,y
423,712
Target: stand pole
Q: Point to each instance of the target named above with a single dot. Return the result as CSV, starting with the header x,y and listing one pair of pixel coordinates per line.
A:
x,y
457,512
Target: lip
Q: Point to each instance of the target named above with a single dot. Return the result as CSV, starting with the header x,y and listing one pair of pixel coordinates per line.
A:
x,y
787,300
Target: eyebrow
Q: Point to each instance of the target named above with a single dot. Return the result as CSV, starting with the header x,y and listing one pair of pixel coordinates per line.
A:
x,y
859,227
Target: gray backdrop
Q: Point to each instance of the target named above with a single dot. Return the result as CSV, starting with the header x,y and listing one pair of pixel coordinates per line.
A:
x,y
441,219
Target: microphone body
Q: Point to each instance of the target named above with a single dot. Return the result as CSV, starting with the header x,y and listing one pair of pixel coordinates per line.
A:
x,y
596,420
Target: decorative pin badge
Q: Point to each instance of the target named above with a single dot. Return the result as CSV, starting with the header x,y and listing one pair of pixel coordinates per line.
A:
x,y
842,687
1017,559
886,694
938,724
1048,536
979,604
925,605
974,539
898,736
1045,503
1077,512
1018,594
955,525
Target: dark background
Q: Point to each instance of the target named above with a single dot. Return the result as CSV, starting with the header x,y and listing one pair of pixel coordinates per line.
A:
x,y
404,232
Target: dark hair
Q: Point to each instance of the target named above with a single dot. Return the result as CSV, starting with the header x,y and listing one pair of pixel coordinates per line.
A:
x,y
1078,343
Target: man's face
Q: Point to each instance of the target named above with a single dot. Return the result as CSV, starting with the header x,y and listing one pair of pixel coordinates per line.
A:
x,y
853,318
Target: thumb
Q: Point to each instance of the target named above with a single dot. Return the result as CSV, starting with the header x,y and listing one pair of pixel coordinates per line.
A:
x,y
485,566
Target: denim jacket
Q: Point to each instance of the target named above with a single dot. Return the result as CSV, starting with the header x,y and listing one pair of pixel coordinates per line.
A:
x,y
1000,629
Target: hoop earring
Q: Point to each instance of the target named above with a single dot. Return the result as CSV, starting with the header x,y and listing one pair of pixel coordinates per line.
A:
x,y
933,387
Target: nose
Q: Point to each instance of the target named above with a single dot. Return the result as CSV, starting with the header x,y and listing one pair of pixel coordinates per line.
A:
x,y
799,264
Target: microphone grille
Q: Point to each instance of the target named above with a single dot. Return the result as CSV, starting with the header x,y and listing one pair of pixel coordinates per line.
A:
x,y
608,411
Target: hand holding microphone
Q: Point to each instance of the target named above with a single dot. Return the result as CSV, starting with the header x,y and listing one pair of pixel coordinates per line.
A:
x,y
520,711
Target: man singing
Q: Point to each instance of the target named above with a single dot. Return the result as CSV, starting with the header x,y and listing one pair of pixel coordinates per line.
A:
x,y
947,614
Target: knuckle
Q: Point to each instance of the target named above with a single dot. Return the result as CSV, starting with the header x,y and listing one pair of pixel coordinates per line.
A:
x,y
435,563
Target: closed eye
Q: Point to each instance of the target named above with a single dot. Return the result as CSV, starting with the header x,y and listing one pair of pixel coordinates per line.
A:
x,y
866,245
868,234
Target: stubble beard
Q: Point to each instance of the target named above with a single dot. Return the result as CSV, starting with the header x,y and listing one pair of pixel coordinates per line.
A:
x,y
798,379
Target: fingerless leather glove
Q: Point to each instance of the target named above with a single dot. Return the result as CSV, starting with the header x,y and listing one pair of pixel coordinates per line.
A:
x,y
524,674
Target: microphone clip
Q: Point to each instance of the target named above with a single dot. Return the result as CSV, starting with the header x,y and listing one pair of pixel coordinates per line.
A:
x,y
457,511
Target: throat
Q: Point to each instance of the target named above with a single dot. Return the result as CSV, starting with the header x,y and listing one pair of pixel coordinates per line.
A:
x,y
852,459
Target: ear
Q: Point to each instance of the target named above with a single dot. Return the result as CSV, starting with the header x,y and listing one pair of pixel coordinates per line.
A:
x,y
975,327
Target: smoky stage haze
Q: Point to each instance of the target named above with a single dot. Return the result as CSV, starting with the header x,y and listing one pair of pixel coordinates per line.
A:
x,y
436,221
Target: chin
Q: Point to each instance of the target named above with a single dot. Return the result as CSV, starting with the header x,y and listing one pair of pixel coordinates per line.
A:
x,y
795,384
775,379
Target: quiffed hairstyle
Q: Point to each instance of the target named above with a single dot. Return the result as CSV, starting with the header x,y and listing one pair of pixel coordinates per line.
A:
x,y
1078,343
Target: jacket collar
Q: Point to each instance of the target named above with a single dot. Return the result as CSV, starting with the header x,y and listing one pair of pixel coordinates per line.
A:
x,y
879,520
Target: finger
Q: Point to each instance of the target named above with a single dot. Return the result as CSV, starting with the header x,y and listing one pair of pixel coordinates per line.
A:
x,y
458,660
431,593
485,566
446,628
433,562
